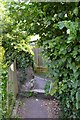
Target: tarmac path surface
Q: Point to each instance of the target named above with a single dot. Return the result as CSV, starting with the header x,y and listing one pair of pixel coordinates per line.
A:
x,y
38,106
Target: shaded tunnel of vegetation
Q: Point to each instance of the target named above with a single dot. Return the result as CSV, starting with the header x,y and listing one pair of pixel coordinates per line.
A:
x,y
58,26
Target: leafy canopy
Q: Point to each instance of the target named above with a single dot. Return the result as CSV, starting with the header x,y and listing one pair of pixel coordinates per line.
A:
x,y
58,27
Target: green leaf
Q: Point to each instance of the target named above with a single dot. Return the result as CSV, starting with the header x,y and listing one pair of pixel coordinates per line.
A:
x,y
76,11
61,25
67,103
78,96
53,91
53,88
70,38
77,105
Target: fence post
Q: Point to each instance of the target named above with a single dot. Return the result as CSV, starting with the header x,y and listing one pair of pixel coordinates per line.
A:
x,y
12,86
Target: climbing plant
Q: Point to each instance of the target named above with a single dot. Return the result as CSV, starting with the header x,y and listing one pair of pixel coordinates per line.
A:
x,y
15,42
3,68
15,38
58,26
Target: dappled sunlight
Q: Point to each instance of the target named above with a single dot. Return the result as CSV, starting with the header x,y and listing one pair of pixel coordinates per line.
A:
x,y
34,37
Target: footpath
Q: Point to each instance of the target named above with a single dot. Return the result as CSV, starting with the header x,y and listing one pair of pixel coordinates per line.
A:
x,y
37,106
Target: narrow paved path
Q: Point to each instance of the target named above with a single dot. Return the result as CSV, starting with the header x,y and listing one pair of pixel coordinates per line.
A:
x,y
32,108
37,106
39,84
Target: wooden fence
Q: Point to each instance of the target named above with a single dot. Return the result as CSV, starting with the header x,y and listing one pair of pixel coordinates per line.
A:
x,y
37,57
38,60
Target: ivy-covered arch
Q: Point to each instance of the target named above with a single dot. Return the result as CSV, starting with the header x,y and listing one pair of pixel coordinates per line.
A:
x,y
58,27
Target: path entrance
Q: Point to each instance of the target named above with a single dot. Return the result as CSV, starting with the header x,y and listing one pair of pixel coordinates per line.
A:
x,y
37,106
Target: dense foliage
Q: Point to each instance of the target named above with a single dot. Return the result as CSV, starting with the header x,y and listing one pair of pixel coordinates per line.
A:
x,y
58,27
15,38
3,68
3,84
15,43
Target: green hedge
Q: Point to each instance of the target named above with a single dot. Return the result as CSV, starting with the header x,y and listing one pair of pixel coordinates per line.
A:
x,y
58,25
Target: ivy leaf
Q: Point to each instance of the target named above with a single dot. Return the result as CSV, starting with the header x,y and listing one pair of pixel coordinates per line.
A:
x,y
67,103
61,25
76,11
68,31
53,91
78,96
70,38
77,105
53,88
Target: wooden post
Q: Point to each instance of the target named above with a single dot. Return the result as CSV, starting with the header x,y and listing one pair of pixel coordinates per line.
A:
x,y
13,83
12,86
36,56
